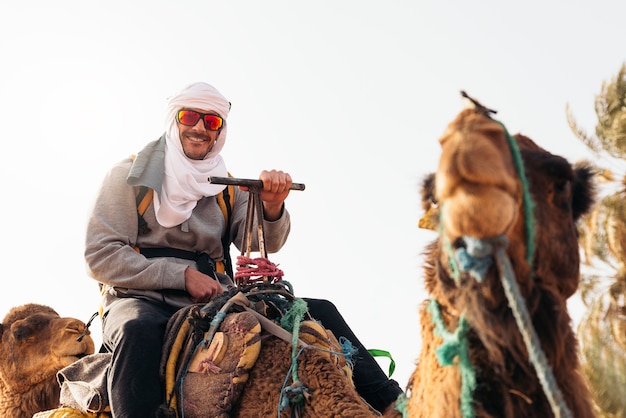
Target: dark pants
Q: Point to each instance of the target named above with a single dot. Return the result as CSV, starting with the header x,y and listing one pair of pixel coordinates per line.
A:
x,y
370,380
134,329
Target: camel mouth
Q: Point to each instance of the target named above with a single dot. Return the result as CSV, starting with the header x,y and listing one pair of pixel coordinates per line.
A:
x,y
76,351
478,212
70,359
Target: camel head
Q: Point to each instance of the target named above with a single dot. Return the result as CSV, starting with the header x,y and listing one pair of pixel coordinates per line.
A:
x,y
476,181
490,184
499,273
36,343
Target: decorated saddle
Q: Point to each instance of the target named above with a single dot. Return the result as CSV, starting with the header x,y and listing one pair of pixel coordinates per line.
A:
x,y
209,352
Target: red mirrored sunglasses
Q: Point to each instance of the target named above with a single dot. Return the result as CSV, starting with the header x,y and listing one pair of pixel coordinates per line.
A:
x,y
191,117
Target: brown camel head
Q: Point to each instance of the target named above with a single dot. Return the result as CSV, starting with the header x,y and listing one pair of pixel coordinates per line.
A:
x,y
36,343
479,192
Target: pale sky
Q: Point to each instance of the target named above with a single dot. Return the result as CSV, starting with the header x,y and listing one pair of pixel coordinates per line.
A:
x,y
350,97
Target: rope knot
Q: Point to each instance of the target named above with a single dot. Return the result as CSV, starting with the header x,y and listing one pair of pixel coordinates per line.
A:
x,y
253,270
349,351
477,255
294,394
456,345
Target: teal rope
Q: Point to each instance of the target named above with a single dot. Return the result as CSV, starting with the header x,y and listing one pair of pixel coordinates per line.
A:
x,y
349,351
453,265
287,392
529,225
402,405
476,257
456,345
513,294
295,392
291,322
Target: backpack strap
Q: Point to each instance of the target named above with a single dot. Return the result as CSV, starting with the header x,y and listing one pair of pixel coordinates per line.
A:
x,y
143,197
226,202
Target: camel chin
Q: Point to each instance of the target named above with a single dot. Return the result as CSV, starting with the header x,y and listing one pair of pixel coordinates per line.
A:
x,y
465,211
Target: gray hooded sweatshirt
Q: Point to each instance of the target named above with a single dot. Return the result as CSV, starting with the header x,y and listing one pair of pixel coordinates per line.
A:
x,y
112,234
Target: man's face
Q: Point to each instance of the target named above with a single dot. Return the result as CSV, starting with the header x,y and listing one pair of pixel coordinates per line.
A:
x,y
196,140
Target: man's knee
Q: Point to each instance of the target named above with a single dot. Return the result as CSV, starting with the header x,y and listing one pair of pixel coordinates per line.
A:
x,y
322,307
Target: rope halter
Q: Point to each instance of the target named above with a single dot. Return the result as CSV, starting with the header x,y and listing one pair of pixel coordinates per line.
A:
x,y
475,259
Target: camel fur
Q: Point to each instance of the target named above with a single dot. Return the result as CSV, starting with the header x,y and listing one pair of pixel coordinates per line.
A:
x,y
35,344
329,391
477,193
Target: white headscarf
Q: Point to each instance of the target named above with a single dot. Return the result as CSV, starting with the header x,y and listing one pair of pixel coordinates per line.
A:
x,y
185,181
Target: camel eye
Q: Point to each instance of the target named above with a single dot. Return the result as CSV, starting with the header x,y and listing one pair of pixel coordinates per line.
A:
x,y
561,197
561,186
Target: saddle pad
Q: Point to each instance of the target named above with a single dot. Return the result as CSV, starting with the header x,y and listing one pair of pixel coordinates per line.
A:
x,y
218,373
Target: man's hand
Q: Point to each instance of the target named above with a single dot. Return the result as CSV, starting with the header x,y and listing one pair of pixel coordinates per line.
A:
x,y
201,288
276,185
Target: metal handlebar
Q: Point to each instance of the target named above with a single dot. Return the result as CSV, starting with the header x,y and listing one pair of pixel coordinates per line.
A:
x,y
247,182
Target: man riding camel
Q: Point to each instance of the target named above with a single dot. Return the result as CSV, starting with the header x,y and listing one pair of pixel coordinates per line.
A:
x,y
147,272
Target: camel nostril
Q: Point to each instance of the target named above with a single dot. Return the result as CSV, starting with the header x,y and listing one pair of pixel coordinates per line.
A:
x,y
459,243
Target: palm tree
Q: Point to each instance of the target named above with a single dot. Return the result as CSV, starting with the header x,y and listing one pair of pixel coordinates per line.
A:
x,y
602,332
604,353
610,107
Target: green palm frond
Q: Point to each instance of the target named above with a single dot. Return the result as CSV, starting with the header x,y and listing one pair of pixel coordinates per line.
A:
x,y
589,288
594,233
610,107
591,142
602,232
604,363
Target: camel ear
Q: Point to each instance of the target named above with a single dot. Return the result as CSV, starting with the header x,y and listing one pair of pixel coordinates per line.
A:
x,y
584,193
21,329
430,220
